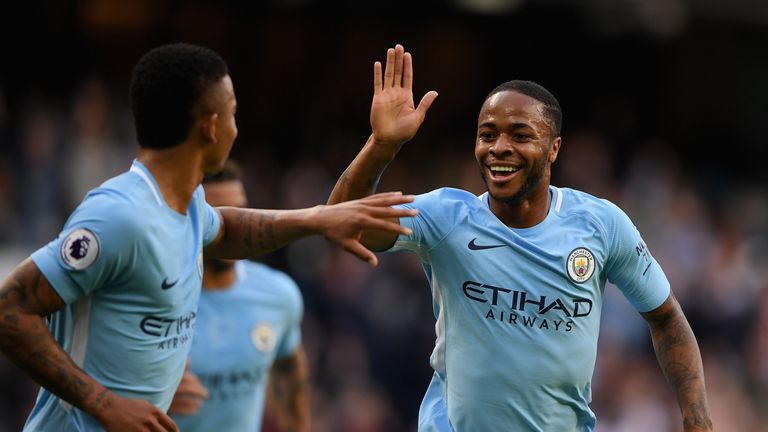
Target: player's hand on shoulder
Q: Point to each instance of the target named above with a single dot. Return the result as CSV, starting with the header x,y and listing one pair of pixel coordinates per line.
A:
x,y
134,415
344,223
394,117
189,396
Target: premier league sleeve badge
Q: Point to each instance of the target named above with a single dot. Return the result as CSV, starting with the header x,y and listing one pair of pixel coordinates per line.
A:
x,y
80,249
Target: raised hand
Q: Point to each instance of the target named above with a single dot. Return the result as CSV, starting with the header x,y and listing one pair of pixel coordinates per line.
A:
x,y
394,119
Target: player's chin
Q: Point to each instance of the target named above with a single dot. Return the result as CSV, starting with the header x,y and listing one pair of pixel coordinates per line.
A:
x,y
503,194
214,169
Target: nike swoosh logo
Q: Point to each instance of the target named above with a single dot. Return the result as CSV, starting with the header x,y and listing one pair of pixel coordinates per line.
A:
x,y
165,285
474,246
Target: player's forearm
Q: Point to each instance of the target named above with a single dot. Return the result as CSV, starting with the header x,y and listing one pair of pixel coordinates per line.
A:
x,y
249,233
678,354
290,392
361,178
27,342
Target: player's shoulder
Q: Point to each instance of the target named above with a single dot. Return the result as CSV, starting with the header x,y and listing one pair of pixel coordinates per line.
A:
x,y
267,276
451,194
199,195
263,280
113,204
448,197
125,190
572,202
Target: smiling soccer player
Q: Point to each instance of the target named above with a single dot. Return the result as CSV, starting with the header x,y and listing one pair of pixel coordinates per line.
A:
x,y
518,273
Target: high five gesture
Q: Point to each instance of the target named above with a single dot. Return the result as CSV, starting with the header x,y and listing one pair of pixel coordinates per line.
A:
x,y
394,118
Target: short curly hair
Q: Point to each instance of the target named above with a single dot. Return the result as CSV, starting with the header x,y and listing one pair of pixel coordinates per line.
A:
x,y
166,86
531,89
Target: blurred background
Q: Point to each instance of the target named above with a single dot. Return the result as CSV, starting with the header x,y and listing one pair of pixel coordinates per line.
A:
x,y
664,113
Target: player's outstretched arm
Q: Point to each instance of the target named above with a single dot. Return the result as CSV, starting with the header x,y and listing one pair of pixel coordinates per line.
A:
x,y
679,357
247,233
26,298
288,398
394,121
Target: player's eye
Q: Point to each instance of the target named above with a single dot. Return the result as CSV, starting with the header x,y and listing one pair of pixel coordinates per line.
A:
x,y
522,137
486,136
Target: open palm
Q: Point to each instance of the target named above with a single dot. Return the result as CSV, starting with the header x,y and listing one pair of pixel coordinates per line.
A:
x,y
394,118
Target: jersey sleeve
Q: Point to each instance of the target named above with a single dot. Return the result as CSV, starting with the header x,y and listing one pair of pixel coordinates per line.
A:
x,y
438,212
630,265
295,312
210,220
97,243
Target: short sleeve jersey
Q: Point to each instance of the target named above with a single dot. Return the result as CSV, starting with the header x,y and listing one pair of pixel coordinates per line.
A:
x,y
518,310
129,269
241,331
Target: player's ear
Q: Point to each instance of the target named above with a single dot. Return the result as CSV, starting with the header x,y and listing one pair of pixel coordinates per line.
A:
x,y
554,149
208,123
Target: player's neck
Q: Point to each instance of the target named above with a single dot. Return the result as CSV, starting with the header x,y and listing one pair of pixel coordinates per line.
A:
x,y
219,276
177,172
526,213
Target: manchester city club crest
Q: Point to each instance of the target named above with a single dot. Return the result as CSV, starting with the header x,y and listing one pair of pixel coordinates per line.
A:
x,y
580,265
263,337
79,249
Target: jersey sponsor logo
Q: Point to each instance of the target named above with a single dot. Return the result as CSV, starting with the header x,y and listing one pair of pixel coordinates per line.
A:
x,y
233,383
580,265
166,285
522,301
263,337
172,332
80,249
474,246
518,307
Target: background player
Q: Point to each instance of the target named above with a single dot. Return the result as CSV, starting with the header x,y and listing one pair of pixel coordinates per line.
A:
x,y
518,274
247,333
119,286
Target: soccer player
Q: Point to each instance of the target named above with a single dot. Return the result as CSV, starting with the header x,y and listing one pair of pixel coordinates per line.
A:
x,y
247,333
517,273
103,316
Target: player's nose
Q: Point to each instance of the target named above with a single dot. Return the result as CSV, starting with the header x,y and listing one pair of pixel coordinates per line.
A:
x,y
502,145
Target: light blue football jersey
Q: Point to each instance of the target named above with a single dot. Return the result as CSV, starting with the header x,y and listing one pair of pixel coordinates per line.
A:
x,y
518,310
129,269
240,332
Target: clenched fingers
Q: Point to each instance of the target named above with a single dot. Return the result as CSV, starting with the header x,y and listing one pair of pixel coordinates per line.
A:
x,y
191,386
167,423
186,404
160,422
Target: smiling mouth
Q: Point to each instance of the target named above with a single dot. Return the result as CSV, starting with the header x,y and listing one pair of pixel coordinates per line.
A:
x,y
499,172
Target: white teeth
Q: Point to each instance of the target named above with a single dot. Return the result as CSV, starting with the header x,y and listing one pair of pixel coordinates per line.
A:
x,y
503,168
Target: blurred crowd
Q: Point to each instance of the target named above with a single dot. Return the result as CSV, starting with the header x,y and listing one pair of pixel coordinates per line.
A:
x,y
369,332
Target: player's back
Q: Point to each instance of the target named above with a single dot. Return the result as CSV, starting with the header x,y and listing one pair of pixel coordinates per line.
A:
x,y
128,268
